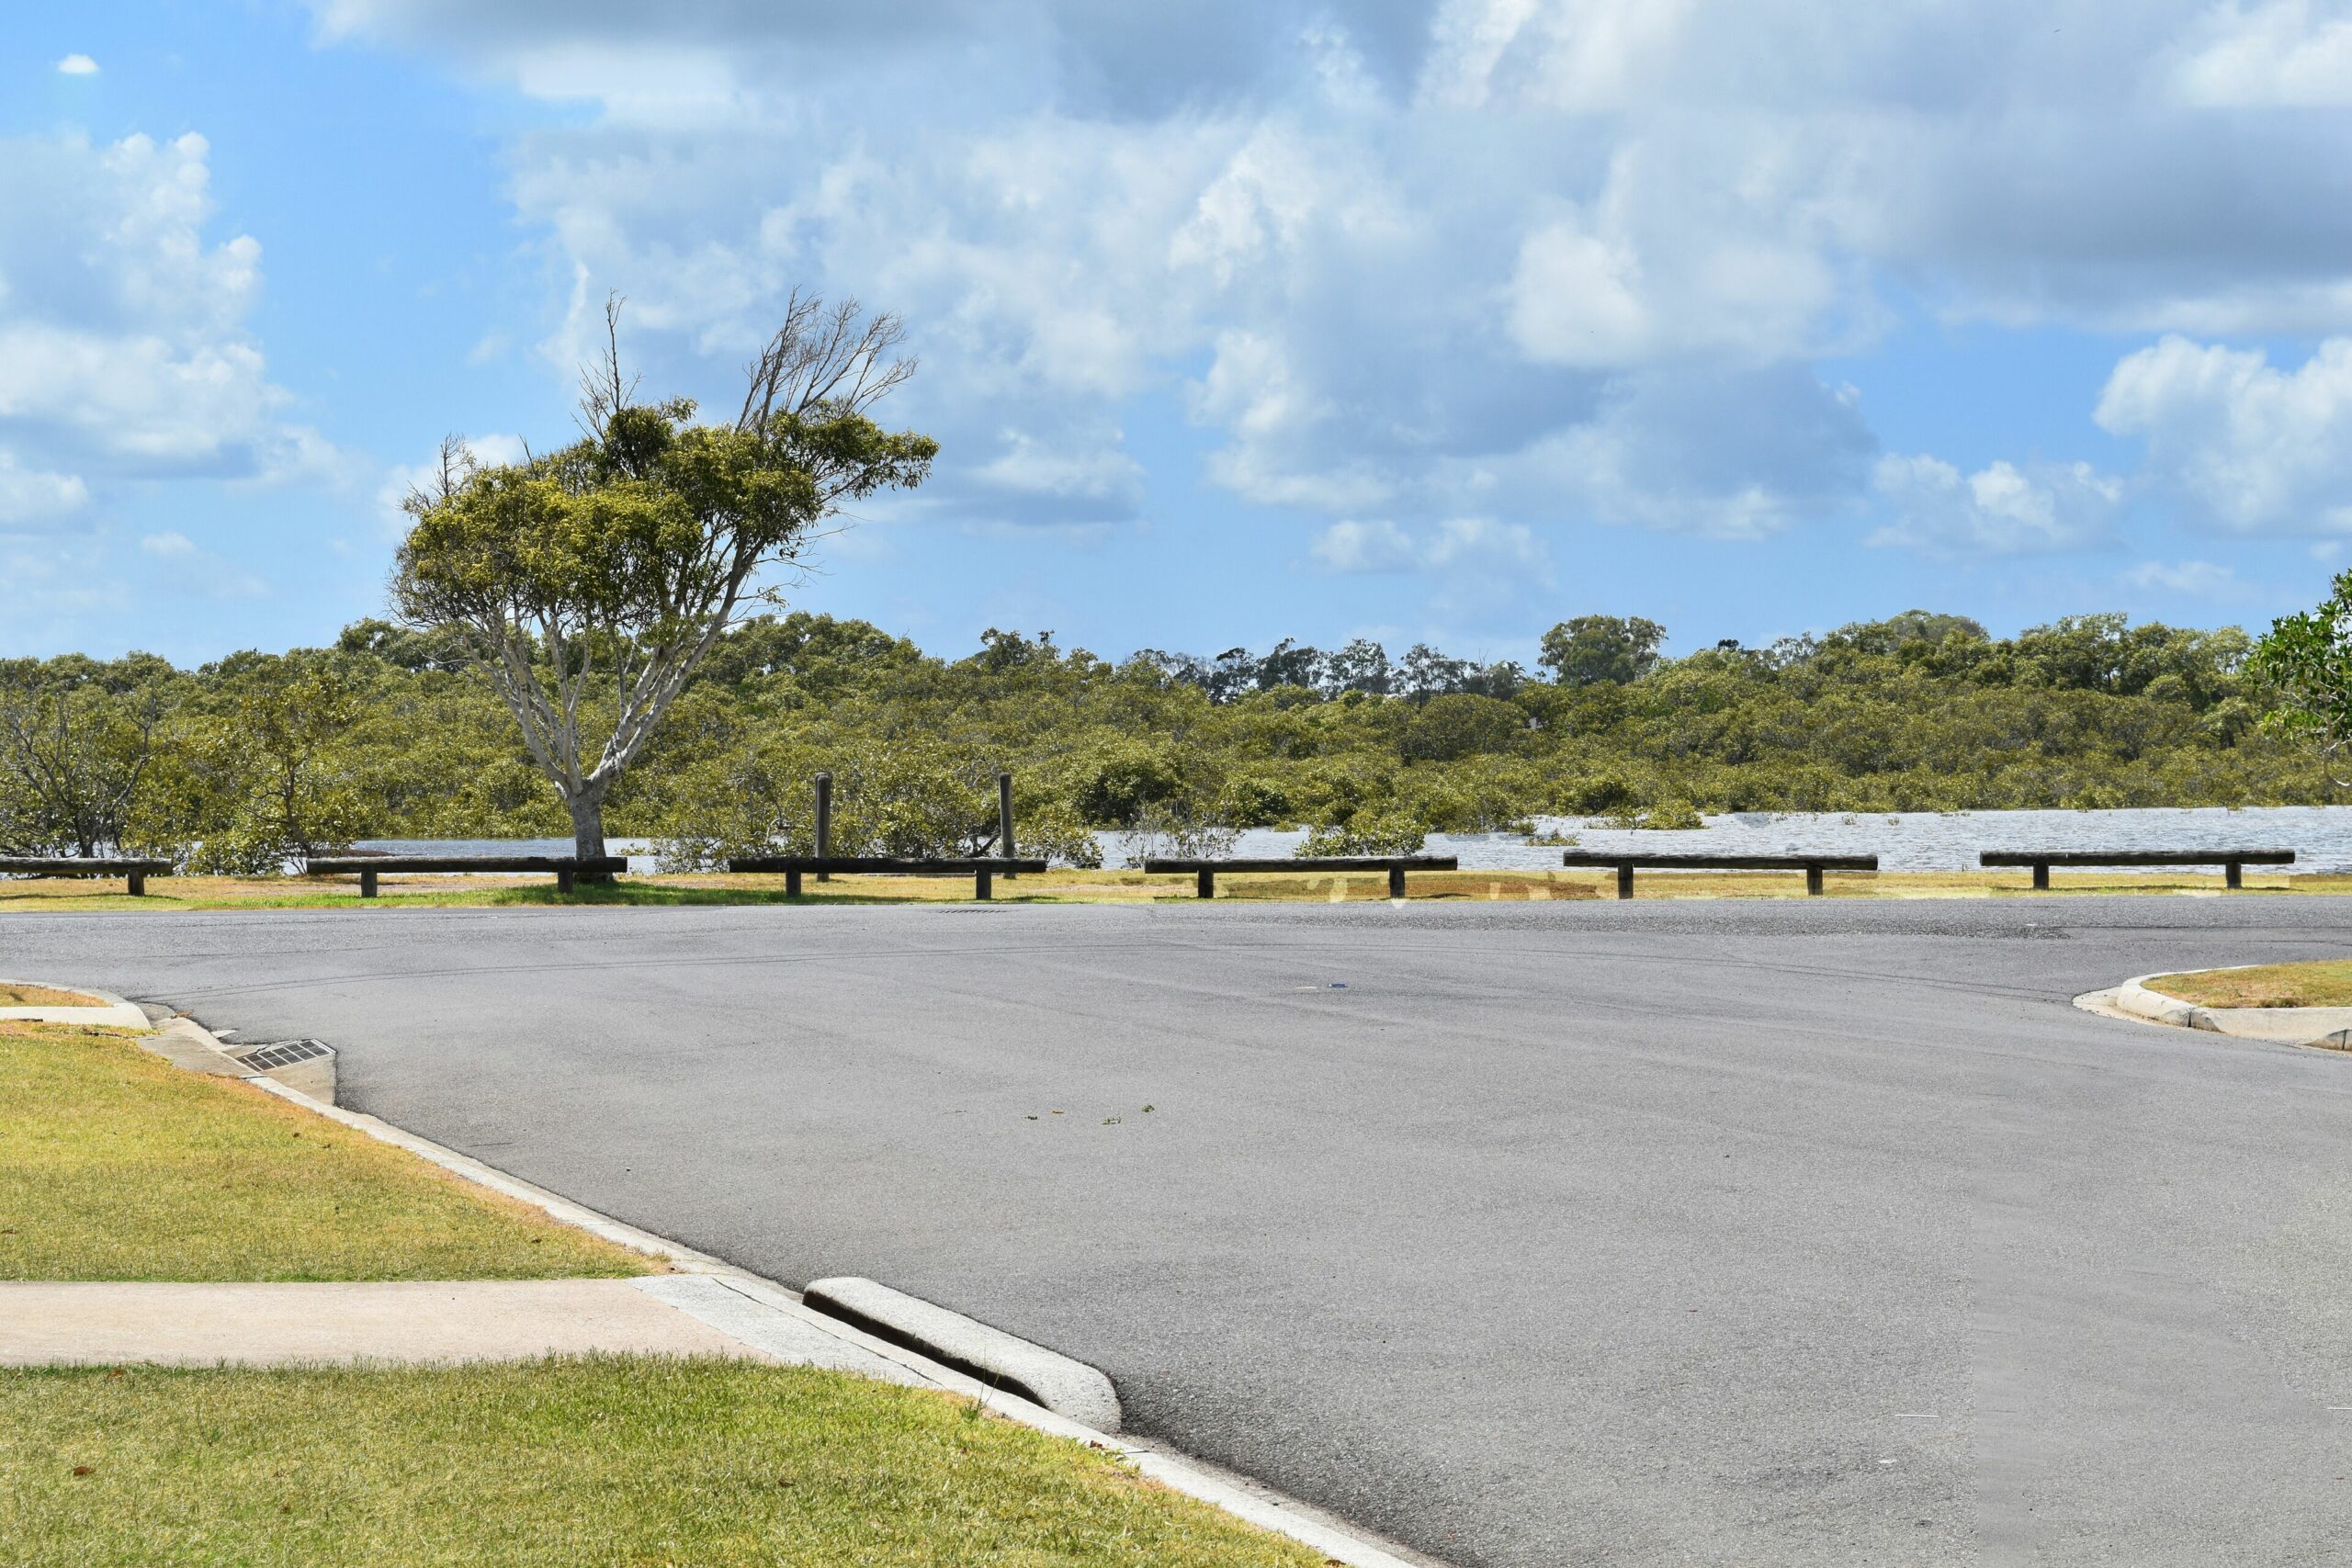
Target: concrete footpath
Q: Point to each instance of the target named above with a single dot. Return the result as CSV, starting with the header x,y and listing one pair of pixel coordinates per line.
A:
x,y
263,1325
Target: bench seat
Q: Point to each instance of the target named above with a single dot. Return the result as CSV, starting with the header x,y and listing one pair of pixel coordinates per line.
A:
x,y
983,869
1625,862
564,868
135,871
2232,862
1205,872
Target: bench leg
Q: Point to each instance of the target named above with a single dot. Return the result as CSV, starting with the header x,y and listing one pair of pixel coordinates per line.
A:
x,y
139,885
1813,882
1395,882
1625,882
366,885
1205,884
792,882
2234,874
983,886
563,882
2041,877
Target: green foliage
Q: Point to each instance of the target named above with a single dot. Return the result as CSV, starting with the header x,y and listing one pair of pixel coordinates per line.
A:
x,y
621,559
1601,651
259,755
2306,660
1365,833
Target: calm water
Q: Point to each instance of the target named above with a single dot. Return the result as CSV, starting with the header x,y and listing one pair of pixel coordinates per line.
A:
x,y
2320,835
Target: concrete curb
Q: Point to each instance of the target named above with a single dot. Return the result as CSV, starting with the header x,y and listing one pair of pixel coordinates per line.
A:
x,y
117,1013
2308,1026
1062,1385
1337,1541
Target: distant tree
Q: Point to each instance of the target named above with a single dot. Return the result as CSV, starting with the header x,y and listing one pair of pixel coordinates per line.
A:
x,y
1362,666
2306,660
1290,664
276,765
76,756
1601,651
1424,672
591,582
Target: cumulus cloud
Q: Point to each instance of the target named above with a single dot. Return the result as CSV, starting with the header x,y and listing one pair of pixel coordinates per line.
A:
x,y
123,350
2286,52
77,65
32,499
1548,259
2242,444
2000,510
2189,578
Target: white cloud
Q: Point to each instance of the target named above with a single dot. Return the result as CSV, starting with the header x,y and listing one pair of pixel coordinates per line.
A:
x,y
32,498
2286,52
2000,510
1551,259
1353,547
2242,444
170,546
2189,578
123,350
77,65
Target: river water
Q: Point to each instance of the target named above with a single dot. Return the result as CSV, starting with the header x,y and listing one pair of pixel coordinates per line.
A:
x,y
1912,840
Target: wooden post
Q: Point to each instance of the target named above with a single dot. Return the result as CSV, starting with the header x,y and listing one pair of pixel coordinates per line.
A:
x,y
2234,874
563,881
1204,884
139,885
366,885
824,830
1625,881
981,886
2041,877
1395,882
792,882
1005,817
1813,882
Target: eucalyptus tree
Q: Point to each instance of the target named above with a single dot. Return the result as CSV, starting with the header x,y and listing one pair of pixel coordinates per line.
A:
x,y
589,584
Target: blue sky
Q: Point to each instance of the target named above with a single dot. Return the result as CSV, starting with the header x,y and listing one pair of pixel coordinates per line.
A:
x,y
1422,320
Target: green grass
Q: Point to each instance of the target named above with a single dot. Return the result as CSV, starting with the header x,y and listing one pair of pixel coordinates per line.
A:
x,y
115,1165
568,1464
2325,984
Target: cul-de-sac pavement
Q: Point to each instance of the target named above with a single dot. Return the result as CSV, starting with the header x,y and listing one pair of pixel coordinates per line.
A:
x,y
1717,1233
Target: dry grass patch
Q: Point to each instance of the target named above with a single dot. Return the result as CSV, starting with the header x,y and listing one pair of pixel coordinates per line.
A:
x,y
18,996
2325,984
116,1165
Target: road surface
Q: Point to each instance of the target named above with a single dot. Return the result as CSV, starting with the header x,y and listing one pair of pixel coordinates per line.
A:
x,y
1804,1233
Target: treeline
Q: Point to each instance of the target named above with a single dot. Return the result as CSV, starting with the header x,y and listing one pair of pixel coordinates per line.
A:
x,y
242,764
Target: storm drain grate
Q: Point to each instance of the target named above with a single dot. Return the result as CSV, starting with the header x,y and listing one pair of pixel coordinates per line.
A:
x,y
284,1054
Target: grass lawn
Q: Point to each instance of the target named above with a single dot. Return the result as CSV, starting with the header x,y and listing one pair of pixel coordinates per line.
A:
x,y
2326,984
164,894
115,1165
13,996
563,1463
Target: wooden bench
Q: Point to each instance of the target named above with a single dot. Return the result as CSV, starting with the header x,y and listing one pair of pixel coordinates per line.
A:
x,y
983,869
1625,863
136,871
564,867
1205,872
2232,862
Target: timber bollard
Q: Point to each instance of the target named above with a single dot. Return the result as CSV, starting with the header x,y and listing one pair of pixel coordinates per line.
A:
x,y
1004,821
1395,882
824,830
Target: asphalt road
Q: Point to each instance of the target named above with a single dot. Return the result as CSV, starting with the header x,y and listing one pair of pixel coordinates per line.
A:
x,y
1806,1232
